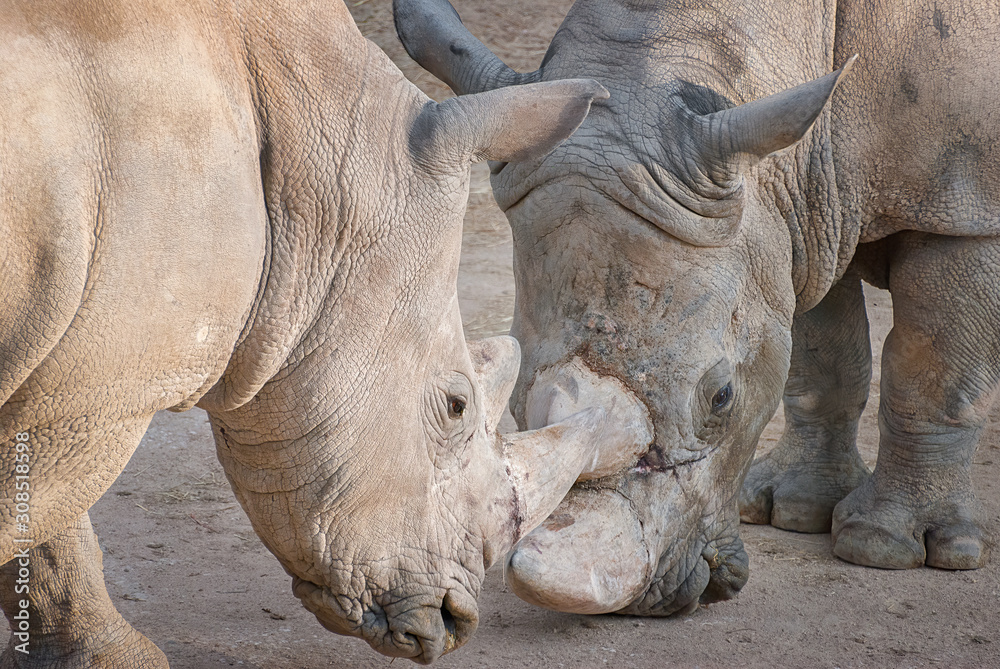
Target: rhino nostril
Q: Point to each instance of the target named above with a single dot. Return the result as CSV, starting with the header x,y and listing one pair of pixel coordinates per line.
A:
x,y
729,573
711,555
460,619
450,629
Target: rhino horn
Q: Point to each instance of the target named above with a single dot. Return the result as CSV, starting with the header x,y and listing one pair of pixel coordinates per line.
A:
x,y
544,464
509,124
433,34
590,556
739,137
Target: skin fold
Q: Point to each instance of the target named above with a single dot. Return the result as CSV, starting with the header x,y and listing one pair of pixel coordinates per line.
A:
x,y
702,239
244,206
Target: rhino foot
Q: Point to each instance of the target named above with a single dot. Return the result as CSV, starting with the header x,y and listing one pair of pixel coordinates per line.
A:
x,y
883,531
71,621
125,648
797,485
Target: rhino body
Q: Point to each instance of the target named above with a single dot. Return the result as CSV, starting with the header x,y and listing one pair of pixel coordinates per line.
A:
x,y
245,206
702,239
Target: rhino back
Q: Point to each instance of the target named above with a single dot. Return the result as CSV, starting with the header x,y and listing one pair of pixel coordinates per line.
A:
x,y
916,122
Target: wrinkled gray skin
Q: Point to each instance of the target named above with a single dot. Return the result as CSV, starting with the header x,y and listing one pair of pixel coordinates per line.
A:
x,y
245,206
708,228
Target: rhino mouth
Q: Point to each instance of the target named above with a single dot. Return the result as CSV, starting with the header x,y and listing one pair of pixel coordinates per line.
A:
x,y
717,574
421,633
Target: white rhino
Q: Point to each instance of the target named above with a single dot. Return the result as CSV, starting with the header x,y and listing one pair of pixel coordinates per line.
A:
x,y
245,206
676,247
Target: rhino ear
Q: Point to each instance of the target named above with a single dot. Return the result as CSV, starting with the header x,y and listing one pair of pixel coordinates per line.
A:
x,y
735,138
433,34
509,124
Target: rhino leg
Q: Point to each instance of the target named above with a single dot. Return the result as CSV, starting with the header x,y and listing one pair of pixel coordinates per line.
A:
x,y
940,371
816,463
71,622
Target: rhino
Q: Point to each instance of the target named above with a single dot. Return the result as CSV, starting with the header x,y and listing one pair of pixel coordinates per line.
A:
x,y
698,249
244,206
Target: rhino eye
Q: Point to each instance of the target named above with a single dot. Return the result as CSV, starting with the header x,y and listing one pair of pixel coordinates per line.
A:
x,y
456,407
722,398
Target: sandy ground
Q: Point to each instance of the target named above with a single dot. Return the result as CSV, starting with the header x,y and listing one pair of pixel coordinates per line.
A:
x,y
184,566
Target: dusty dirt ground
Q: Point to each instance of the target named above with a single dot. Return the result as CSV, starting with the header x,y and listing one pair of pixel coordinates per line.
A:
x,y
183,565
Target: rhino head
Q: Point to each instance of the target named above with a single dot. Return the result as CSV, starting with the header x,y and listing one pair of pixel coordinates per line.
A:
x,y
355,424
652,279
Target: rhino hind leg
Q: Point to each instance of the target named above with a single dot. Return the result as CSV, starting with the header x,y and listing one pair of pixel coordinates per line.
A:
x,y
71,621
940,371
816,463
